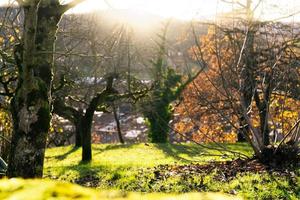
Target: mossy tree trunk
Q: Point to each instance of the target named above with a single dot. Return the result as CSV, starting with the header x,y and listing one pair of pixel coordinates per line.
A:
x,y
30,106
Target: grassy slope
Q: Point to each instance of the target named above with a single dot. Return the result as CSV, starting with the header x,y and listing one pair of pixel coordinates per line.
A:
x,y
125,167
17,189
64,162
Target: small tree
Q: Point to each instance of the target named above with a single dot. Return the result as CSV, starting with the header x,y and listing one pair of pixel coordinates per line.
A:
x,y
167,87
249,76
96,80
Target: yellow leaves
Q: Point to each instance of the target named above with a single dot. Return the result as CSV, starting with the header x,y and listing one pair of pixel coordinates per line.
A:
x,y
9,38
255,122
51,129
289,114
55,129
182,127
284,112
5,127
12,39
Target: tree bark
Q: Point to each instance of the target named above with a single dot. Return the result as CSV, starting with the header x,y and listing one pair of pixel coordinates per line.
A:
x,y
86,127
264,111
71,114
31,104
117,123
87,119
78,133
87,135
248,80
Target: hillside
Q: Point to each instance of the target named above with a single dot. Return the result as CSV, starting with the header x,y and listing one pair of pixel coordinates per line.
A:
x,y
167,168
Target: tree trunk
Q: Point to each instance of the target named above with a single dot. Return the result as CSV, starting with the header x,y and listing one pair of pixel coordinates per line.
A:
x,y
264,127
31,104
71,114
248,80
86,127
118,124
78,134
87,138
264,112
87,119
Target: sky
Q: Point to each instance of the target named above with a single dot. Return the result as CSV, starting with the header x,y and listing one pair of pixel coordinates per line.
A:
x,y
190,9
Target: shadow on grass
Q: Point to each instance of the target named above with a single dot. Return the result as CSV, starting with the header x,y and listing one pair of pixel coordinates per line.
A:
x,y
191,151
242,147
175,151
111,147
170,150
182,152
64,156
85,174
114,146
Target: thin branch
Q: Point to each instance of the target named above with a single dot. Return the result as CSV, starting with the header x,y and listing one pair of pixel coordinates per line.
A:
x,y
70,5
286,136
6,139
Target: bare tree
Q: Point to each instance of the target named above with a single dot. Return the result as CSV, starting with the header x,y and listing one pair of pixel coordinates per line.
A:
x,y
250,66
99,77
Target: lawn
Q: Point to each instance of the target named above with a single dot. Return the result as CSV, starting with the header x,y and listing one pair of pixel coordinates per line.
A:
x,y
137,167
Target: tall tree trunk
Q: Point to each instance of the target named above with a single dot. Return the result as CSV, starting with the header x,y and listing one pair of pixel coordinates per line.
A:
x,y
87,137
247,73
264,126
248,80
87,119
117,123
78,133
31,104
264,111
86,128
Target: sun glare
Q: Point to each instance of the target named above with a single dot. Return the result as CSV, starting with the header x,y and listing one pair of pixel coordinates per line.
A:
x,y
191,9
180,9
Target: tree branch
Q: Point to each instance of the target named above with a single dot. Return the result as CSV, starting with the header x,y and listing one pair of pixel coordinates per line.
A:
x,y
20,2
70,5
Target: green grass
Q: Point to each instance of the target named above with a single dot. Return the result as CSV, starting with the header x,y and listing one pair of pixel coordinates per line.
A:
x,y
18,189
142,155
130,168
124,160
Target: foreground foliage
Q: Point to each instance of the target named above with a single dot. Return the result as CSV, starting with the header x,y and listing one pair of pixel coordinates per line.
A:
x,y
173,168
19,189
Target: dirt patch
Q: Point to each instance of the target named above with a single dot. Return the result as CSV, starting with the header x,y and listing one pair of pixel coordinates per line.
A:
x,y
88,181
224,171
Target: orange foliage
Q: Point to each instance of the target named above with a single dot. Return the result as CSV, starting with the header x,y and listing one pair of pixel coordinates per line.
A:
x,y
210,108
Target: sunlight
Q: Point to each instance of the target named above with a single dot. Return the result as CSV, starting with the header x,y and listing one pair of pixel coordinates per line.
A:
x,y
191,9
180,9
188,9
